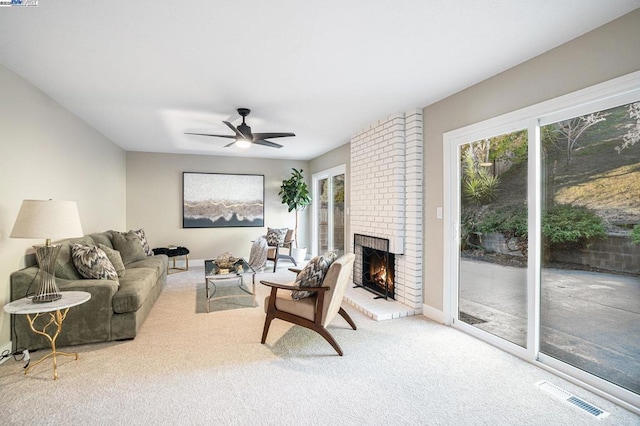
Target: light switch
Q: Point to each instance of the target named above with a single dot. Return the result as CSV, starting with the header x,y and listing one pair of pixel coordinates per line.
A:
x,y
438,212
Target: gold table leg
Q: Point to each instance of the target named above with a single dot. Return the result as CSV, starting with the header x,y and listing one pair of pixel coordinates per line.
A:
x,y
57,318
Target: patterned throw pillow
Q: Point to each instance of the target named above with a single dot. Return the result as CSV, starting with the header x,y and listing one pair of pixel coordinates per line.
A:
x,y
313,274
114,258
143,240
276,236
92,262
129,246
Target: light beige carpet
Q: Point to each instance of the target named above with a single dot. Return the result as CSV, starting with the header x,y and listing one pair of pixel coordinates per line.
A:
x,y
187,366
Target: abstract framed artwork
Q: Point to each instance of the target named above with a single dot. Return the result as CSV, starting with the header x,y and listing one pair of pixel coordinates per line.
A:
x,y
216,200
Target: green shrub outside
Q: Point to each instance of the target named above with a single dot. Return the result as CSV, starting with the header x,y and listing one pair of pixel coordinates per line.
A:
x,y
563,226
511,222
635,234
570,227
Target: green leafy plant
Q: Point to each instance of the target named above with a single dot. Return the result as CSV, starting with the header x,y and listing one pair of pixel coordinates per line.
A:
x,y
470,226
294,192
635,234
511,222
570,227
478,185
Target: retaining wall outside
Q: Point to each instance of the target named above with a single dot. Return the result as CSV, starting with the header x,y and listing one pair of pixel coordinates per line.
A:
x,y
616,252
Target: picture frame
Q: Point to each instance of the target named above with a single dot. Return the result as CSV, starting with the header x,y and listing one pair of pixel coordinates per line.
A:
x,y
218,200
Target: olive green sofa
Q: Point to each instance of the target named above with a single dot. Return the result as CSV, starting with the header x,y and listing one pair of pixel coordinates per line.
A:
x,y
115,311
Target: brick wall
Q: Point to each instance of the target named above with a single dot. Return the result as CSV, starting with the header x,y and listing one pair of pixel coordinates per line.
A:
x,y
386,195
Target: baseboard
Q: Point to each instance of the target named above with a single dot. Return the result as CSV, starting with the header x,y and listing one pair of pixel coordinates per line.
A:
x,y
7,347
434,314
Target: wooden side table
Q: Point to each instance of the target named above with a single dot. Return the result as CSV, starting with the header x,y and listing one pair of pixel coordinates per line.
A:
x,y
57,311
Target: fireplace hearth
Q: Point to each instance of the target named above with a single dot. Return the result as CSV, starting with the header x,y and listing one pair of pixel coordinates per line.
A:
x,y
374,266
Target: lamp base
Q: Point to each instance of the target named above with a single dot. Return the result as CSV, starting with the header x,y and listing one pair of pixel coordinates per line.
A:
x,y
46,298
47,289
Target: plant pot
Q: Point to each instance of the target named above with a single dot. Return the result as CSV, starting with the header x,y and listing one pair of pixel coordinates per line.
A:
x,y
299,254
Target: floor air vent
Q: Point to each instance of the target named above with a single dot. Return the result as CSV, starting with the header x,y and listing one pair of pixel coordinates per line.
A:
x,y
569,398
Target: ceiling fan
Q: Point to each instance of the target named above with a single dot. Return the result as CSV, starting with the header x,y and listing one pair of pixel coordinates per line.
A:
x,y
243,136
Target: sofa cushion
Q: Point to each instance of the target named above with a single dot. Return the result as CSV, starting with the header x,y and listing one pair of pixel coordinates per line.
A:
x,y
64,264
134,289
103,238
129,246
158,263
115,258
313,274
92,262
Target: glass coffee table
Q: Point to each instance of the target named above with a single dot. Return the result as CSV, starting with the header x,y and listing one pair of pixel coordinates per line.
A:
x,y
215,276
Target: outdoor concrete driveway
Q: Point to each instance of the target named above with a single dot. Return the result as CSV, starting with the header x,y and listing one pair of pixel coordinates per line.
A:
x,y
590,320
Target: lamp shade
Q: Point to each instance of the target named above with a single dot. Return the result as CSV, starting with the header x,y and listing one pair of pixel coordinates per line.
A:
x,y
48,219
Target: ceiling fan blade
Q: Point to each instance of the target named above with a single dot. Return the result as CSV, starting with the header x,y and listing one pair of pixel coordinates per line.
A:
x,y
232,127
266,143
272,135
208,134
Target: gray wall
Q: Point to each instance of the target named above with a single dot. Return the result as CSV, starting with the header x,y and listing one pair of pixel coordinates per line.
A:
x,y
47,152
154,201
610,51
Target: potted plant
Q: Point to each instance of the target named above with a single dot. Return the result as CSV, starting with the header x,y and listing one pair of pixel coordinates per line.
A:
x,y
294,192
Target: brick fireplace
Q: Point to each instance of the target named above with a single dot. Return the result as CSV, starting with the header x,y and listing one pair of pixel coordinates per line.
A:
x,y
386,203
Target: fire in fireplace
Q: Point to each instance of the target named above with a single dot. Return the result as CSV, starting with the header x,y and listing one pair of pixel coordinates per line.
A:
x,y
374,267
378,267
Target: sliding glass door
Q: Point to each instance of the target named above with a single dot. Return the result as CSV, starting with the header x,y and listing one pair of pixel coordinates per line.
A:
x,y
590,286
543,239
492,290
329,211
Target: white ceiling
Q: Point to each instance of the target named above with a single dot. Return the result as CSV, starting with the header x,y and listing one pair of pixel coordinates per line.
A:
x,y
143,72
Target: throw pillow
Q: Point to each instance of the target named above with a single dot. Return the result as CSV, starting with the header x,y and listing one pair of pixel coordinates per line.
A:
x,y
143,240
313,274
92,262
129,246
275,236
114,258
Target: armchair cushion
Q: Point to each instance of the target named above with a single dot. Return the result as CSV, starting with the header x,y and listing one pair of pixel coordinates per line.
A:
x,y
275,236
313,274
305,308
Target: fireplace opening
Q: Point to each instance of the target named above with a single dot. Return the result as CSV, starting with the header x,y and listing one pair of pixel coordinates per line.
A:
x,y
374,267
378,269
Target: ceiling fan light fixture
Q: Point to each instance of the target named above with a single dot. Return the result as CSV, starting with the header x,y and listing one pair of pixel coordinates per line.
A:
x,y
243,143
244,138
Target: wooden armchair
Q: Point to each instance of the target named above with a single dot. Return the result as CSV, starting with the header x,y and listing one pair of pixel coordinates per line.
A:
x,y
282,251
314,312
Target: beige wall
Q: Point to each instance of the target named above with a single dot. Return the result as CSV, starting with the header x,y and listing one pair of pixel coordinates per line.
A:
x,y
336,157
154,201
47,152
605,53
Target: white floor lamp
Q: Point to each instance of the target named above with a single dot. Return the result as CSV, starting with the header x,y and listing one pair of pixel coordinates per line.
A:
x,y
49,220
